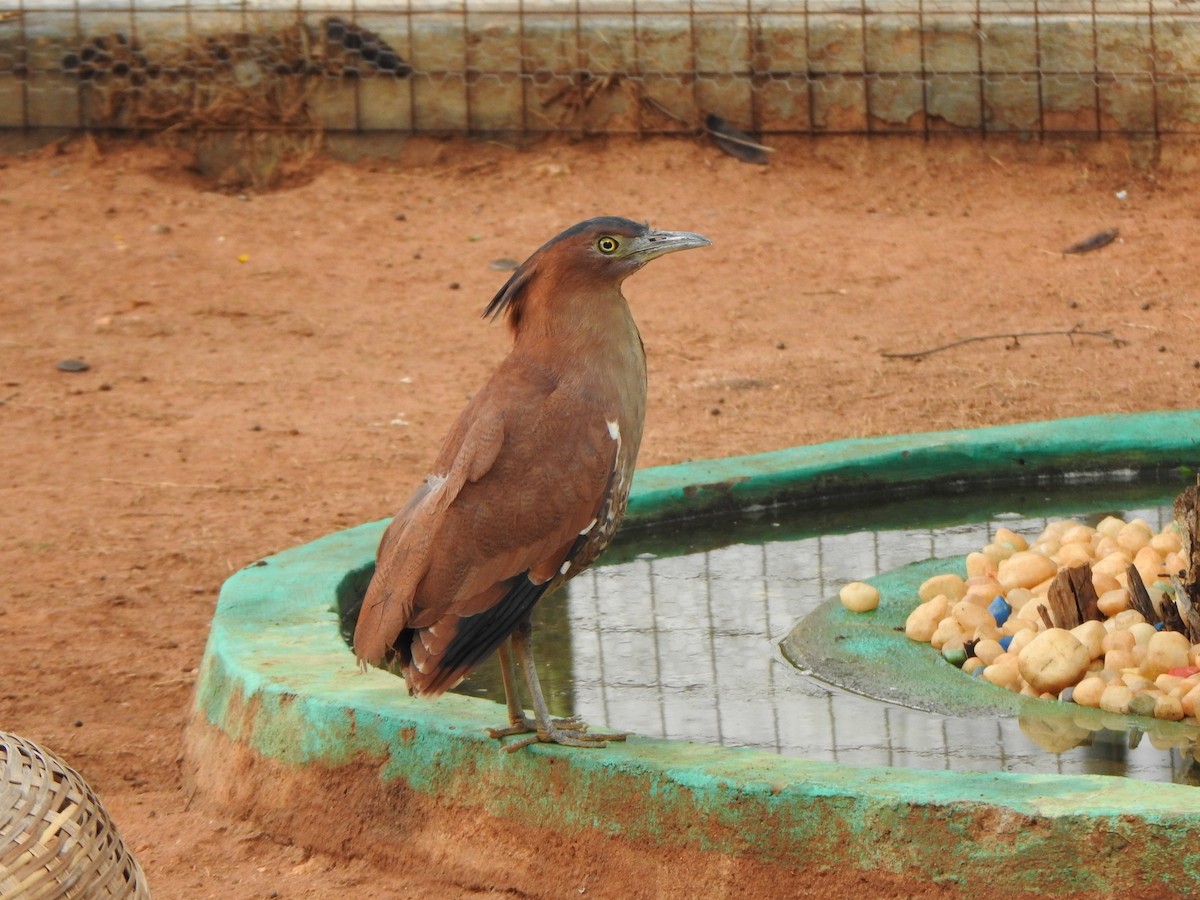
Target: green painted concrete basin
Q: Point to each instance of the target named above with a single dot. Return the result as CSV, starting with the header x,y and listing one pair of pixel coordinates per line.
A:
x,y
285,726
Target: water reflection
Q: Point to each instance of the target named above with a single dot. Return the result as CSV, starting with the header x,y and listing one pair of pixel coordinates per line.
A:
x,y
685,646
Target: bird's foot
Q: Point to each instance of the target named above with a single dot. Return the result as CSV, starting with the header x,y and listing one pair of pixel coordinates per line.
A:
x,y
525,725
570,733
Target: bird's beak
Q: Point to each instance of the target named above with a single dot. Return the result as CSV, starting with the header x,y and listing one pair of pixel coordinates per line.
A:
x,y
654,244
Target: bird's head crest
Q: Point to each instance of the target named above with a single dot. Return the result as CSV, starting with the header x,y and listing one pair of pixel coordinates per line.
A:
x,y
603,247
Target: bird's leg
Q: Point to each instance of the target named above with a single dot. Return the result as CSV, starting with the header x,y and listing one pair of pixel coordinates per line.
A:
x,y
568,732
518,722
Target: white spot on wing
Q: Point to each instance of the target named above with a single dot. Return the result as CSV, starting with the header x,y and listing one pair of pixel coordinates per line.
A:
x,y
590,526
614,430
564,568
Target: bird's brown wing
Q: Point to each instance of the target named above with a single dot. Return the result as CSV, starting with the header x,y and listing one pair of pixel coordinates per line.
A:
x,y
520,476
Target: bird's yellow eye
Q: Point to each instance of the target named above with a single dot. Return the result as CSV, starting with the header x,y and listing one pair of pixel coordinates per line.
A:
x,y
607,245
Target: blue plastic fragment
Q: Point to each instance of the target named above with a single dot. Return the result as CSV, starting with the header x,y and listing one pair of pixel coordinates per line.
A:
x,y
1000,610
1158,626
1004,642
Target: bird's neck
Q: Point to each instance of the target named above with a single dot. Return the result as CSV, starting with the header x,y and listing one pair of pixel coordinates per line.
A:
x,y
593,342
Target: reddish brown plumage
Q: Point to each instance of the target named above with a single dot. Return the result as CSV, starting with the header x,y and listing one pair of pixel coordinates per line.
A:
x,y
533,477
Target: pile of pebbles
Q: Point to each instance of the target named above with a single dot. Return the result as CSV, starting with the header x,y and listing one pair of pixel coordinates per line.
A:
x,y
993,624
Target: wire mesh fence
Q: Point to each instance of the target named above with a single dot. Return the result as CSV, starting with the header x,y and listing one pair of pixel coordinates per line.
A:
x,y
1028,67
686,648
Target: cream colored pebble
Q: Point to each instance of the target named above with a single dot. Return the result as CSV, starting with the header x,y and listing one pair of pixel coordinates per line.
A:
x,y
1088,691
859,597
986,632
987,650
1073,554
1116,660
1112,602
1134,535
1142,632
1021,639
1167,542
973,663
1025,569
997,553
971,615
1014,540
1113,564
1168,707
923,621
978,565
1111,526
1091,635
1003,675
1127,619
947,629
1120,639
1165,650
1189,700
1053,660
1018,597
1116,699
948,584
1077,534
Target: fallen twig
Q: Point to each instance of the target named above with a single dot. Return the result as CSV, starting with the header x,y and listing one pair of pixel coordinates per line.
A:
x,y
1069,333
224,488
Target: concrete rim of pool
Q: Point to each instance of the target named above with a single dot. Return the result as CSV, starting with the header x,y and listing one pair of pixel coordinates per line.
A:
x,y
286,730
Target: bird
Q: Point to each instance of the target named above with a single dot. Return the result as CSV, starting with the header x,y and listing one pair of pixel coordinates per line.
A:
x,y
530,483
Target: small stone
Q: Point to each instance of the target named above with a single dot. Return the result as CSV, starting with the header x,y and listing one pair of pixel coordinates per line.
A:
x,y
1166,651
987,650
1116,699
859,597
504,264
1025,569
72,365
1168,707
950,585
1142,705
923,621
1000,610
1088,691
454,285
1053,660
954,653
160,229
401,217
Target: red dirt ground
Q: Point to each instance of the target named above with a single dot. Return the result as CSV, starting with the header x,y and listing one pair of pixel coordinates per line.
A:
x,y
268,368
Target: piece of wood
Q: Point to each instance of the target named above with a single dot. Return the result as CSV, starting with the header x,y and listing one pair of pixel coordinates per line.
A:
x,y
1139,597
1187,582
1072,597
1045,614
1061,600
1086,599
